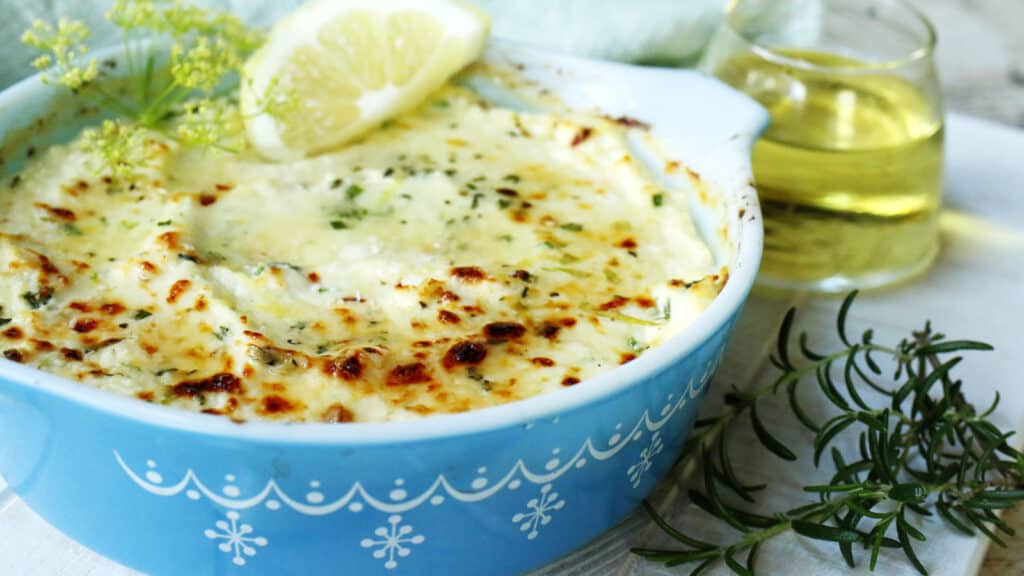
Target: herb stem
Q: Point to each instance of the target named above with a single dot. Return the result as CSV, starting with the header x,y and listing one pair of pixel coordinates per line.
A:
x,y
937,455
707,435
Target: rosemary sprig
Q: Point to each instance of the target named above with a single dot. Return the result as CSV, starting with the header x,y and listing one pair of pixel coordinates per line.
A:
x,y
925,450
188,99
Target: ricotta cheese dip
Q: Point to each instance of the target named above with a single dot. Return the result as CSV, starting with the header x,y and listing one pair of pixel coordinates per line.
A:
x,y
461,256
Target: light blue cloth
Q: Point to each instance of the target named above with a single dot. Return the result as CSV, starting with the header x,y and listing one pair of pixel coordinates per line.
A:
x,y
649,31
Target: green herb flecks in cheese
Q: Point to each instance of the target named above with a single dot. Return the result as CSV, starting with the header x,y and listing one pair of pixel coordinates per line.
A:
x,y
462,256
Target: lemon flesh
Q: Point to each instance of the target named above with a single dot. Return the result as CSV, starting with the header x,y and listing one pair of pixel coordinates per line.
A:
x,y
345,66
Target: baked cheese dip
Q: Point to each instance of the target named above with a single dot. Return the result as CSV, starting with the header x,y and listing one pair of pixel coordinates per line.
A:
x,y
461,256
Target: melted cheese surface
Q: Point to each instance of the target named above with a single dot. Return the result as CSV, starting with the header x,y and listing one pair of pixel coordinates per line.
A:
x,y
462,256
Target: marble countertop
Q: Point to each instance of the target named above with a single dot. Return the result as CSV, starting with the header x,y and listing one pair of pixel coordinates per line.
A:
x,y
981,56
981,59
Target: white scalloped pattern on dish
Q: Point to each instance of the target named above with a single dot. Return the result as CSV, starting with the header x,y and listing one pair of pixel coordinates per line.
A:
x,y
397,500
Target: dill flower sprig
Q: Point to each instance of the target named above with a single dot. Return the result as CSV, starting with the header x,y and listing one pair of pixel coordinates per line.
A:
x,y
922,450
188,99
62,47
125,148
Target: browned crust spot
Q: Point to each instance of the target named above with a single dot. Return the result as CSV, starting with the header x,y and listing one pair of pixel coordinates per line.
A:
x,y
57,212
338,414
448,317
177,289
222,382
43,346
274,404
504,330
542,361
582,136
630,122
469,274
467,353
415,373
645,302
170,239
349,368
85,325
71,355
112,308
614,304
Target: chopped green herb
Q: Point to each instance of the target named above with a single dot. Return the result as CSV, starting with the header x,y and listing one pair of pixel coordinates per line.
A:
x,y
339,225
5,321
658,200
474,374
259,270
142,314
572,227
222,333
188,258
635,346
505,238
353,192
164,223
504,203
336,183
215,256
666,310
71,229
299,326
514,178
37,300
476,200
353,213
569,259
441,104
471,186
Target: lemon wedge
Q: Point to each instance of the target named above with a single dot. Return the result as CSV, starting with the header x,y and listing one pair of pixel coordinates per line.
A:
x,y
345,66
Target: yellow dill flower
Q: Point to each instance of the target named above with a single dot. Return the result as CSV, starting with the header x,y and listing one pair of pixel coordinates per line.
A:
x,y
207,122
208,48
129,14
63,46
203,65
123,149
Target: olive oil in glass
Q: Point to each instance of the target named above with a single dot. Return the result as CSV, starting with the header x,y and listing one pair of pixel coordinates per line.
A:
x,y
850,172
